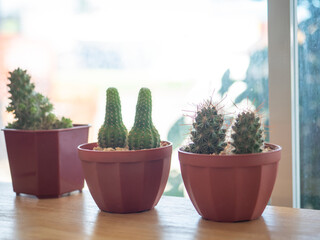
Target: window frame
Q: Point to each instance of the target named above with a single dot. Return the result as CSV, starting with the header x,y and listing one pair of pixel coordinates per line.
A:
x,y
284,99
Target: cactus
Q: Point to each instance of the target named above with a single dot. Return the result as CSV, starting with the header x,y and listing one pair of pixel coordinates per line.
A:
x,y
31,110
208,134
113,132
143,134
247,133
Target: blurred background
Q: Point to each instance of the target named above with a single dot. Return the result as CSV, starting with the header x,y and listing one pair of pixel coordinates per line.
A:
x,y
185,51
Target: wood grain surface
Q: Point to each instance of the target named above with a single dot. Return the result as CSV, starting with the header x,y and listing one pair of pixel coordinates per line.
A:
x,y
77,217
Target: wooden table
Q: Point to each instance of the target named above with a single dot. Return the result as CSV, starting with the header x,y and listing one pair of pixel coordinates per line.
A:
x,y
77,217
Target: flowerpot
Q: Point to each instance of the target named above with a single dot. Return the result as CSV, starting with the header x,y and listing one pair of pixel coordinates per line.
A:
x,y
45,163
229,188
126,181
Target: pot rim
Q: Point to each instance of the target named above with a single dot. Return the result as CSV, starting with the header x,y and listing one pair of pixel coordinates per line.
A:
x,y
81,148
75,126
231,160
274,148
129,156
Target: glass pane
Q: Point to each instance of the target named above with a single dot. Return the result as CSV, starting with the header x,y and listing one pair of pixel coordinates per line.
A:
x,y
309,90
182,50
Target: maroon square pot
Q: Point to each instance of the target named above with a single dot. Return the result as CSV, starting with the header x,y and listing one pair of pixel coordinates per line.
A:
x,y
45,163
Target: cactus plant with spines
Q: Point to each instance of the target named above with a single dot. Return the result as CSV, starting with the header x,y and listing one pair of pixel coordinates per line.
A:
x,y
143,134
31,109
208,133
247,133
112,133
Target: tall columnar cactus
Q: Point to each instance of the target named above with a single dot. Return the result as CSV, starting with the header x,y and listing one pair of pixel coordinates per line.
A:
x,y
208,133
31,110
247,133
143,134
113,133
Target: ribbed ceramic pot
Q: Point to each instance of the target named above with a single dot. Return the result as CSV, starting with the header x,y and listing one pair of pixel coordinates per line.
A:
x,y
126,181
230,188
45,163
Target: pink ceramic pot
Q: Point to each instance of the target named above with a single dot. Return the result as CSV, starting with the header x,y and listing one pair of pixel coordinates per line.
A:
x,y
230,188
126,181
45,163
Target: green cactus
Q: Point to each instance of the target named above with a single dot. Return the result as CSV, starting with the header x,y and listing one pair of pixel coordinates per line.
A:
x,y
31,110
247,133
113,132
143,134
208,133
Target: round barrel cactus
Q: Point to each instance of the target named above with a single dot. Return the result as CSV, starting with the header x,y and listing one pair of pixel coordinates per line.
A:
x,y
247,133
208,133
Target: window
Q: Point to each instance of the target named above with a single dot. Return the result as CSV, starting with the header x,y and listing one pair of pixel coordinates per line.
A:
x,y
293,91
308,36
181,50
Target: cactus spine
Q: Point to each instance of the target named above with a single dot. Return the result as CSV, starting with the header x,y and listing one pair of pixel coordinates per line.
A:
x,y
247,133
143,134
32,110
112,133
208,134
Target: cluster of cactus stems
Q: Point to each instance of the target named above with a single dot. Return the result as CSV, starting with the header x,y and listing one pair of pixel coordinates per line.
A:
x,y
208,134
143,134
32,110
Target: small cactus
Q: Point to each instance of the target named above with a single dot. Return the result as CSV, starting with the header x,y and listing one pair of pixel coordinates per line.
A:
x,y
143,134
247,133
208,134
113,132
32,110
